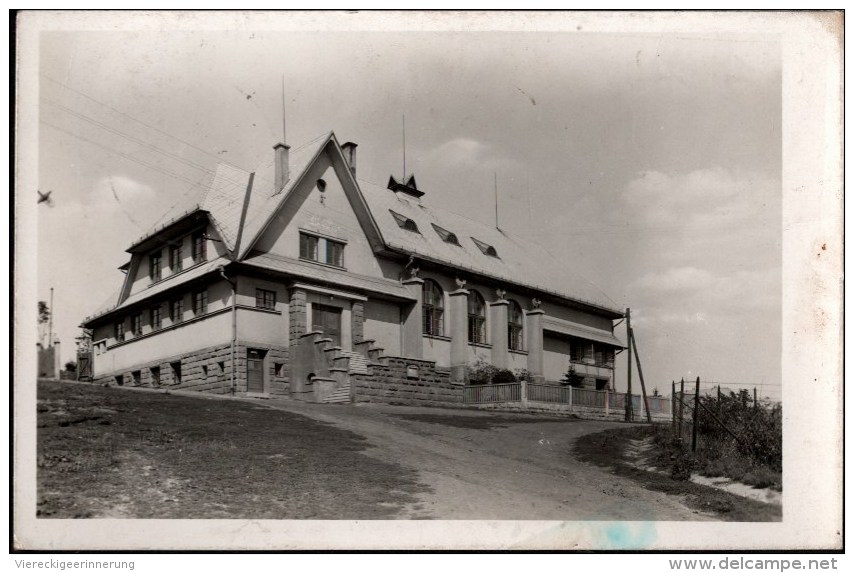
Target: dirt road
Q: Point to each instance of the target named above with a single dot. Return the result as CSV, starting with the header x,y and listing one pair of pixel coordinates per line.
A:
x,y
494,466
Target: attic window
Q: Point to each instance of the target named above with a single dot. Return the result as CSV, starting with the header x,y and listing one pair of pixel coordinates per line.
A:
x,y
446,235
404,222
485,249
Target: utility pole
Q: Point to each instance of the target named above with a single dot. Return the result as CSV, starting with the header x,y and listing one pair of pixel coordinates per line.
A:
x,y
640,375
696,415
629,413
681,406
50,321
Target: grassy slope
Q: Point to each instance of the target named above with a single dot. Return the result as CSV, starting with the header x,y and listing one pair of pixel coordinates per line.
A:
x,y
607,449
106,452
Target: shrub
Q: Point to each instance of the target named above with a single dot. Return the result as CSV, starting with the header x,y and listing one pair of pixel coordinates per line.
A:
x,y
503,376
481,372
573,378
523,374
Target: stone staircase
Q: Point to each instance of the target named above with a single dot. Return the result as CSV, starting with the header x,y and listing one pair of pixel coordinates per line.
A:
x,y
330,367
340,396
358,363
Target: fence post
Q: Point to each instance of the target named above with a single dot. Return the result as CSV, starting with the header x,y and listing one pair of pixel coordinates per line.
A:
x,y
607,401
644,411
718,403
673,406
569,393
523,392
696,415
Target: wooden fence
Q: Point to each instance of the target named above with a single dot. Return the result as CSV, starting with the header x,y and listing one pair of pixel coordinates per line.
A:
x,y
659,407
492,393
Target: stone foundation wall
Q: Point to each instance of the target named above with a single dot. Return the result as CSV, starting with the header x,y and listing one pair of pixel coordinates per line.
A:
x,y
205,370
389,384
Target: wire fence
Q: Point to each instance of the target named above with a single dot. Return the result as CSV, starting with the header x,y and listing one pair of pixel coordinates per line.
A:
x,y
731,432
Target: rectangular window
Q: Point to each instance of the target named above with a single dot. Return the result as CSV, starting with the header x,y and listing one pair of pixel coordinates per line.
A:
x,y
120,331
307,247
175,258
321,250
200,302
156,319
279,369
200,253
136,375
334,254
514,337
176,310
136,324
154,267
155,375
265,299
176,372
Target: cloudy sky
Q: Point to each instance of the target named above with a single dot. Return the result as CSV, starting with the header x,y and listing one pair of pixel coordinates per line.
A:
x,y
648,162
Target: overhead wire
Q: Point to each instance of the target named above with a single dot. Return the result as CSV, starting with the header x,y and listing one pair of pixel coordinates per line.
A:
x,y
139,121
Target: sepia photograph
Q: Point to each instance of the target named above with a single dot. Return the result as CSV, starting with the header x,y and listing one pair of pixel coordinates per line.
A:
x,y
428,280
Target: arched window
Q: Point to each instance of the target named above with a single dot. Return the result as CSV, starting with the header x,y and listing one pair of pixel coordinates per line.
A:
x,y
477,317
514,326
433,307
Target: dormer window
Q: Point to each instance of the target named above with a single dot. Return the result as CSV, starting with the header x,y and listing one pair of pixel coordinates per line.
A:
x,y
154,267
176,258
485,249
200,251
446,235
404,222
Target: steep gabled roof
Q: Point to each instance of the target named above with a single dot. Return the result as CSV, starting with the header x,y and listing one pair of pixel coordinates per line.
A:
x,y
515,261
483,249
265,200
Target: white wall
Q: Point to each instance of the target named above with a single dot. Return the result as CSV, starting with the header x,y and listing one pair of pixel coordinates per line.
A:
x,y
382,323
437,350
555,357
189,337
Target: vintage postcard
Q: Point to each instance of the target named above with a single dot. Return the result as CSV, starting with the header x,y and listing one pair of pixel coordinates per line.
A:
x,y
428,280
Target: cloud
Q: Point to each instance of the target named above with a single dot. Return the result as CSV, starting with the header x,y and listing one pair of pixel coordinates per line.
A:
x,y
692,295
120,189
703,199
460,152
673,280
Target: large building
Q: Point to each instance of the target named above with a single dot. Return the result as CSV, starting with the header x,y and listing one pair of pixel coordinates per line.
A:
x,y
286,284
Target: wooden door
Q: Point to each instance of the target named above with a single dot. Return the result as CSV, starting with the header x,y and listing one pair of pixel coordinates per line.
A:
x,y
254,371
84,366
327,319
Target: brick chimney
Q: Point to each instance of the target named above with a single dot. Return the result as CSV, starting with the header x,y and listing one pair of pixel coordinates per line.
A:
x,y
282,168
349,150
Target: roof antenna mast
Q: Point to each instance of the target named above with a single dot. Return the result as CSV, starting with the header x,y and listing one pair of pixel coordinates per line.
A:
x,y
284,115
403,179
495,176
